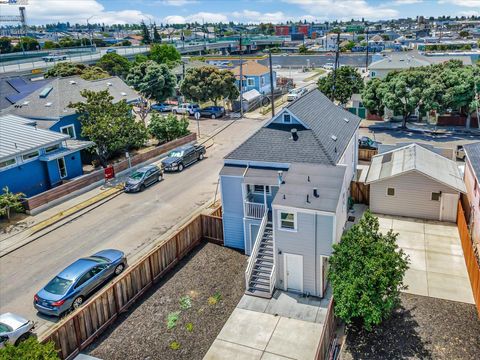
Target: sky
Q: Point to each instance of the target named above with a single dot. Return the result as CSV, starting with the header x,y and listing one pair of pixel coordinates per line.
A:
x,y
246,11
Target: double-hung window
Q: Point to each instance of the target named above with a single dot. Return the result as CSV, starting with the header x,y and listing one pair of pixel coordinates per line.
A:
x,y
250,82
288,221
69,130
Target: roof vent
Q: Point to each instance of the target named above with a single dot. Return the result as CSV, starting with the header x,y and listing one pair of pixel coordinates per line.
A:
x,y
333,137
25,102
346,120
72,82
308,198
315,192
109,84
48,104
123,93
294,134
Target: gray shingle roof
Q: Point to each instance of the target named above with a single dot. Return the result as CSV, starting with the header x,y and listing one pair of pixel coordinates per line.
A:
x,y
473,155
18,136
63,92
324,122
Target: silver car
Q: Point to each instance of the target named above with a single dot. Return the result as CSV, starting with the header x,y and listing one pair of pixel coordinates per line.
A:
x,y
14,329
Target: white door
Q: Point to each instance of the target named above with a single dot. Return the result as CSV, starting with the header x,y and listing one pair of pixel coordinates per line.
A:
x,y
448,207
294,272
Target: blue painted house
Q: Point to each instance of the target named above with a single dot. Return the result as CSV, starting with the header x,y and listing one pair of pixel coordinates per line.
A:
x,y
255,76
33,160
48,105
285,194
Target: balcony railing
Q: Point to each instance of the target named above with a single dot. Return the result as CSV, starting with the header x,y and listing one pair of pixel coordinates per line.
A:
x,y
254,210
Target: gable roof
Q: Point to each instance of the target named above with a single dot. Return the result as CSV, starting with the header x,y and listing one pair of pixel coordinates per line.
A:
x,y
66,90
251,68
473,155
414,157
323,140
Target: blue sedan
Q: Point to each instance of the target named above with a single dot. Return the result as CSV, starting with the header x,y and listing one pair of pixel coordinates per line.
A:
x,y
69,289
162,107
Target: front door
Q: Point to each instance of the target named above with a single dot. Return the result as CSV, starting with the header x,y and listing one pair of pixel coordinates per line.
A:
x,y
294,272
448,207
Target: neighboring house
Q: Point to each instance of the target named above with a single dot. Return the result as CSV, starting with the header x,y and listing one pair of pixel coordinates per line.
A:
x,y
472,183
285,194
182,68
49,105
33,160
14,89
355,106
255,76
415,182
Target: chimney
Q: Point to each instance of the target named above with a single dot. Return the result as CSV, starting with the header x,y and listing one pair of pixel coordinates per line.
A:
x,y
280,177
315,192
294,134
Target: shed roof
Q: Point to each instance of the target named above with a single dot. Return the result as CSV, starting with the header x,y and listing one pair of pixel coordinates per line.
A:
x,y
414,157
18,136
473,155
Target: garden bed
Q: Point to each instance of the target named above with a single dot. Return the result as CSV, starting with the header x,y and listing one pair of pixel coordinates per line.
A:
x,y
207,284
423,328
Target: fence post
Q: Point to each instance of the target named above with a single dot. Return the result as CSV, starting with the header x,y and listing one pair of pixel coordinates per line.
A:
x,y
76,325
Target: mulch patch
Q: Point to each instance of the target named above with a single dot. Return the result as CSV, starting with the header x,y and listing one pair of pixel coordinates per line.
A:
x,y
142,332
422,328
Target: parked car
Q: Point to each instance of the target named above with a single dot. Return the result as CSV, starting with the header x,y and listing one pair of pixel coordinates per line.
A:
x,y
183,156
212,112
109,51
14,329
186,108
329,66
162,107
366,143
460,153
294,94
54,57
69,289
143,177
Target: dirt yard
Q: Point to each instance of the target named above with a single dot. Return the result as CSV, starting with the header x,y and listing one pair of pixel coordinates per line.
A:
x,y
423,328
210,280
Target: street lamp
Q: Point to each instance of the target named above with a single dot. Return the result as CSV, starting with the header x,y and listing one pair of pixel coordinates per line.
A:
x,y
88,28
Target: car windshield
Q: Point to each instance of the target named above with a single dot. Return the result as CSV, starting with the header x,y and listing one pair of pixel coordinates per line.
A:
x,y
137,175
58,286
100,259
176,154
4,328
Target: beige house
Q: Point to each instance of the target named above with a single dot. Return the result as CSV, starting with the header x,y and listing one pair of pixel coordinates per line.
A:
x,y
413,181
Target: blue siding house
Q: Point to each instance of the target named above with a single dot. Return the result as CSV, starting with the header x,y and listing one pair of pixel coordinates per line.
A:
x,y
255,76
33,160
48,105
285,194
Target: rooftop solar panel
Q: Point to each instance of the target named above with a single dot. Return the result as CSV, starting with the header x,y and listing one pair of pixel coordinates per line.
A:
x,y
17,83
15,97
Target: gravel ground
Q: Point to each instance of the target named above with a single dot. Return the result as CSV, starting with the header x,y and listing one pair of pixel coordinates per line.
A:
x,y
142,333
423,328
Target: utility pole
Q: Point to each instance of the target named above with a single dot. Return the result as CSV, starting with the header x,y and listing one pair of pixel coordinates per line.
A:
x,y
241,75
366,59
335,67
271,82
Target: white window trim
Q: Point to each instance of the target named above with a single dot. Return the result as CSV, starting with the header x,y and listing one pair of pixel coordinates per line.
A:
x,y
58,166
48,152
394,192
250,81
11,165
25,161
261,192
69,126
295,228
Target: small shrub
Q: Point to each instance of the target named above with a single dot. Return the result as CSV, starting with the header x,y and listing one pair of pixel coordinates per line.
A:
x,y
29,349
185,302
172,319
189,327
174,345
215,299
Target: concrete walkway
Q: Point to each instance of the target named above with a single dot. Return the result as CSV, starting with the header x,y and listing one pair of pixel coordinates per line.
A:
x,y
437,266
288,326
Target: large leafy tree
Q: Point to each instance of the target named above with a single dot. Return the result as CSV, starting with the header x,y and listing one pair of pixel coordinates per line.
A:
x,y
341,84
27,43
164,54
64,69
209,83
112,126
152,80
366,271
167,128
10,202
5,45
29,349
371,97
114,64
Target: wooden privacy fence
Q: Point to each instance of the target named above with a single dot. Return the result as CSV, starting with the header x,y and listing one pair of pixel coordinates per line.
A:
x,y
360,192
328,333
473,268
366,154
80,328
83,181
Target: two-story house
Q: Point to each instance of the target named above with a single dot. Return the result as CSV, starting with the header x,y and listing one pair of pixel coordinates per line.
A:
x,y
255,76
33,160
285,194
472,183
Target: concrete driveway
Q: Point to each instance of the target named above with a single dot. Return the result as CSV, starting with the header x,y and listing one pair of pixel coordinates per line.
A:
x,y
437,266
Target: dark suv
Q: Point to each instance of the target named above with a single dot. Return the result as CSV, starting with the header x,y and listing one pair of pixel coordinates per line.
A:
x,y
183,156
143,177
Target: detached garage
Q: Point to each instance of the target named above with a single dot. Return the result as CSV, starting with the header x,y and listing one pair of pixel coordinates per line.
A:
x,y
415,182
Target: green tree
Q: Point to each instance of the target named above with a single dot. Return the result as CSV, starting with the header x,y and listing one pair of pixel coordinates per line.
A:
x,y
164,54
366,271
94,73
125,43
464,33
26,44
347,82
114,64
50,45
167,128
302,49
154,81
209,83
139,58
371,97
99,42
111,126
5,45
145,33
156,36
63,69
10,202
348,46
29,349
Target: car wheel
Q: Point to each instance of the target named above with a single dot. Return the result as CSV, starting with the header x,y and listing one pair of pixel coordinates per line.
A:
x,y
77,303
142,187
119,269
180,167
213,116
174,112
200,157
23,337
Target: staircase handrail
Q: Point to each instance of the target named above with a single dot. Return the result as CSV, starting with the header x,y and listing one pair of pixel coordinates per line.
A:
x,y
256,248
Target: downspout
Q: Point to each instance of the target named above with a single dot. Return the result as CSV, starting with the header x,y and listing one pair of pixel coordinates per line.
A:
x,y
315,241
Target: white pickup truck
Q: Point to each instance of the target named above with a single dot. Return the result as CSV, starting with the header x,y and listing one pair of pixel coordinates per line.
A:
x,y
54,57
